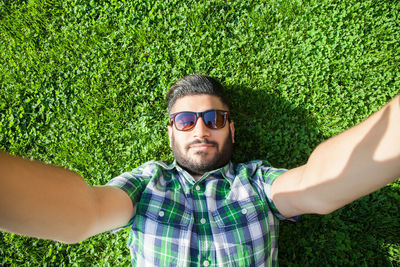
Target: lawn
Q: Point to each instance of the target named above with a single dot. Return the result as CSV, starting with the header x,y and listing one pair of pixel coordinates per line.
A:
x,y
83,85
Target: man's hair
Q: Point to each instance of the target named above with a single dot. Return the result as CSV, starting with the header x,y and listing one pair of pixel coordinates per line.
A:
x,y
195,84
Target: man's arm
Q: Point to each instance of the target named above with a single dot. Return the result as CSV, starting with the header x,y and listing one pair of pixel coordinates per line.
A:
x,y
49,202
345,167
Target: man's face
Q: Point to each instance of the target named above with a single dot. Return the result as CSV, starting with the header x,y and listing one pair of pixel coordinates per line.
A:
x,y
202,149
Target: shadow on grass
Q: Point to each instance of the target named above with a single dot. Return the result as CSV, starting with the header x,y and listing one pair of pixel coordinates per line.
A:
x,y
365,232
269,127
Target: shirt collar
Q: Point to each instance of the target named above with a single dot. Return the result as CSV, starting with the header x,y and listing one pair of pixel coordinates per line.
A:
x,y
227,172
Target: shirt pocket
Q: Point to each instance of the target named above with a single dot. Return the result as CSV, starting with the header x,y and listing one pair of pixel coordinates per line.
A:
x,y
239,214
166,211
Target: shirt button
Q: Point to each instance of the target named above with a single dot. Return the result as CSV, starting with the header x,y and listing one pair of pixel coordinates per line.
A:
x,y
203,221
244,211
161,213
206,263
198,187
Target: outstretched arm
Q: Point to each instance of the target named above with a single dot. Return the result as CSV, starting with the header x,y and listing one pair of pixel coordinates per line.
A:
x,y
345,167
49,202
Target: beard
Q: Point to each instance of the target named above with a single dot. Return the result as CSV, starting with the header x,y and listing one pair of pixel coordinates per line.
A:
x,y
221,158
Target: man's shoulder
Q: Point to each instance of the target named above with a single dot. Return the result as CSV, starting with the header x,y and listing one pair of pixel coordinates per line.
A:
x,y
145,172
253,164
256,168
152,166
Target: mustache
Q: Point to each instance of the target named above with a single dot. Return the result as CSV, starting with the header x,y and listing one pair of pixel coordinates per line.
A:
x,y
202,141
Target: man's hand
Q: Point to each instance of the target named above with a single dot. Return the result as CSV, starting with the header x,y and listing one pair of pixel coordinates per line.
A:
x,y
350,165
50,202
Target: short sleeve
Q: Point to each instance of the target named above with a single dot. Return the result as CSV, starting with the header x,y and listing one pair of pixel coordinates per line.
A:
x,y
133,183
269,175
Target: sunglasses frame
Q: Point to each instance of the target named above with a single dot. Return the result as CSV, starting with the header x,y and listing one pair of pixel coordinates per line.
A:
x,y
198,115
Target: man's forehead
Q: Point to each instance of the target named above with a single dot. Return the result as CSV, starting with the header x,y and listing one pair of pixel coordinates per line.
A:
x,y
198,103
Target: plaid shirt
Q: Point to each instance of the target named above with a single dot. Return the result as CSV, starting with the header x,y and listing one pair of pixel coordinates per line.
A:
x,y
226,218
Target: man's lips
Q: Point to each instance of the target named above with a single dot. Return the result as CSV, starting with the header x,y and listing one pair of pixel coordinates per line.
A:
x,y
201,146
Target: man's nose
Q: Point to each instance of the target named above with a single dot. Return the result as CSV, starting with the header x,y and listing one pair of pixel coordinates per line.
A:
x,y
201,130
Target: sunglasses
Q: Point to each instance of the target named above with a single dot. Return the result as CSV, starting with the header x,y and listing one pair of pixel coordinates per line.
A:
x,y
186,120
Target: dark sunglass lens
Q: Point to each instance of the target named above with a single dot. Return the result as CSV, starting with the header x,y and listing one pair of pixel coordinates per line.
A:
x,y
185,121
214,119
220,119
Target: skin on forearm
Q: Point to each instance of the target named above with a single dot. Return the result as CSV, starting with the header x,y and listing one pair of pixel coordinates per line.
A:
x,y
345,167
44,201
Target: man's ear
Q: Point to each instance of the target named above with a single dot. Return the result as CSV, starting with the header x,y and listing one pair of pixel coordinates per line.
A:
x,y
170,135
232,126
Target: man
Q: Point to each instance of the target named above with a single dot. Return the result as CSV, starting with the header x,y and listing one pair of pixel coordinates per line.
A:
x,y
201,209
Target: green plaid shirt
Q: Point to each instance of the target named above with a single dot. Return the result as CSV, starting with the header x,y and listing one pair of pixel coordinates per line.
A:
x,y
226,218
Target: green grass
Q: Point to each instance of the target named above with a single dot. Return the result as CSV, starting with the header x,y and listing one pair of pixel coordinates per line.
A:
x,y
82,85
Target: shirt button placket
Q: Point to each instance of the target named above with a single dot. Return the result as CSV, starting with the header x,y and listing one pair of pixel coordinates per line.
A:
x,y
203,221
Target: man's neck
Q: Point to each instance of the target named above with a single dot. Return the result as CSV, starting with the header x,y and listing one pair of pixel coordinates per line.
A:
x,y
196,177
